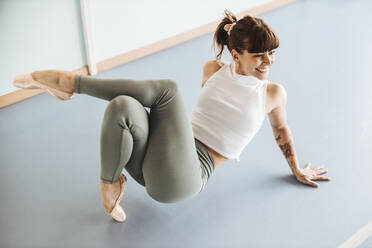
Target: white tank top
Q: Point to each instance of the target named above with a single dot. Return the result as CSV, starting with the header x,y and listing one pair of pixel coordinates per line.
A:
x,y
229,111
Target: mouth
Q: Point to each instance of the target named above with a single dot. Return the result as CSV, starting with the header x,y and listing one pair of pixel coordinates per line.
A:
x,y
262,70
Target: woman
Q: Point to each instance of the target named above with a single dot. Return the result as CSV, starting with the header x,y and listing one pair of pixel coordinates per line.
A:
x,y
162,150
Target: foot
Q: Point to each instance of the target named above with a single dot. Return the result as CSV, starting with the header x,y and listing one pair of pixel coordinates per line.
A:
x,y
111,195
60,84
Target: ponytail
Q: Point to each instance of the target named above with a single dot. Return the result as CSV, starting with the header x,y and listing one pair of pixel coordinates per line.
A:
x,y
221,36
249,34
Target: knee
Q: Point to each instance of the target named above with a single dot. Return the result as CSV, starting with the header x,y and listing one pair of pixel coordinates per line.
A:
x,y
121,107
170,88
120,103
172,85
122,100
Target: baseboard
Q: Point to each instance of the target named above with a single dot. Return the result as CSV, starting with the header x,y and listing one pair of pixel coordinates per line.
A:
x,y
108,64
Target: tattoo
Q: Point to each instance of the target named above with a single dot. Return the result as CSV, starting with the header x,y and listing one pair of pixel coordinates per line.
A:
x,y
283,138
287,150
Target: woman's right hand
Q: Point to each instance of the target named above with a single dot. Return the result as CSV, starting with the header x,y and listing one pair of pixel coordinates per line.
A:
x,y
307,175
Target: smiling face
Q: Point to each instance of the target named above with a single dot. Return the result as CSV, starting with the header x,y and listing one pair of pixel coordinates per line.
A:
x,y
253,64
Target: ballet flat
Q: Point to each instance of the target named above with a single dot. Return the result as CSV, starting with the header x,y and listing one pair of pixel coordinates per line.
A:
x,y
26,81
117,212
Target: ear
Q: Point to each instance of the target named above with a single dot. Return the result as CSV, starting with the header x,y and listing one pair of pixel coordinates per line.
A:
x,y
235,55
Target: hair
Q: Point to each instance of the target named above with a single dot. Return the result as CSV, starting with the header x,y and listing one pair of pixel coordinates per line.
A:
x,y
249,33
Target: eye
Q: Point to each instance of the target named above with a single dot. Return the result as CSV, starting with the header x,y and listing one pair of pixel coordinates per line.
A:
x,y
271,52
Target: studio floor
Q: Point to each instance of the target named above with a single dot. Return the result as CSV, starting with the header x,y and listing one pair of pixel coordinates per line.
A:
x,y
50,162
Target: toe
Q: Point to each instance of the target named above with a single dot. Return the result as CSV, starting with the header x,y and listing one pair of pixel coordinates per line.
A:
x,y
118,213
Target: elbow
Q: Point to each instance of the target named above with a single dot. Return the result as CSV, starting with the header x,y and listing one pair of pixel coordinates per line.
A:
x,y
281,128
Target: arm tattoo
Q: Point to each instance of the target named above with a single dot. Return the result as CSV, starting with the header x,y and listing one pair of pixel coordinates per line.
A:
x,y
284,139
287,150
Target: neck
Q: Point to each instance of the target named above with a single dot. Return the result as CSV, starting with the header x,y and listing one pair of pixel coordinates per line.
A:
x,y
238,70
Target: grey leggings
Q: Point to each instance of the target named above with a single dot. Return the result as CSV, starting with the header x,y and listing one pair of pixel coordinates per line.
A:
x,y
157,149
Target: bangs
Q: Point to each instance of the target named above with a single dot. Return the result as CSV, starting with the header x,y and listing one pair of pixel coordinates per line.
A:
x,y
262,39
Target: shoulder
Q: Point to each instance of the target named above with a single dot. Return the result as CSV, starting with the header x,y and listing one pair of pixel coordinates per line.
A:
x,y
277,94
212,66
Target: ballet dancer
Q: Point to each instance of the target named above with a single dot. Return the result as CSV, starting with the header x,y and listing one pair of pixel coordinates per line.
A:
x,y
172,156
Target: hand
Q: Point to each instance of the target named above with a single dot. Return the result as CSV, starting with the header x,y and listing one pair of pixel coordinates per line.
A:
x,y
306,175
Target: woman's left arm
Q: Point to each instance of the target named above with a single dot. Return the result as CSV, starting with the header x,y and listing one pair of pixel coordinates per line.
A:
x,y
284,138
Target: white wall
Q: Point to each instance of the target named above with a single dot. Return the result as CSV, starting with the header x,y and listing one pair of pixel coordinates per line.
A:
x,y
121,26
47,34
38,34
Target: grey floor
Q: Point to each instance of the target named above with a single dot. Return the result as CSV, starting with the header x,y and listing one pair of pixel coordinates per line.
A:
x,y
49,157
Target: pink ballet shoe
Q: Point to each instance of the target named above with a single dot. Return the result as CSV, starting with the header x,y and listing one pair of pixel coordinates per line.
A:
x,y
21,81
26,81
117,212
58,96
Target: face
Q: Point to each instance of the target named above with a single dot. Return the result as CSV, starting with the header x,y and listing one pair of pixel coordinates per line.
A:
x,y
253,64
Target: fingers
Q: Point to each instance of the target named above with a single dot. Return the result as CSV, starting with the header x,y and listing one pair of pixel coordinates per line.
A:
x,y
322,178
311,183
308,182
320,170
